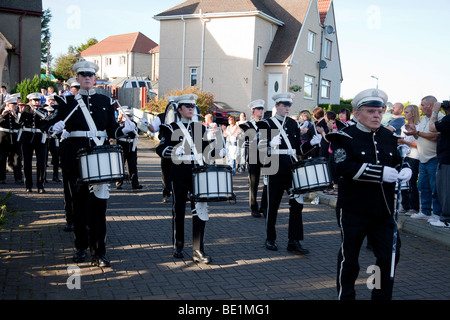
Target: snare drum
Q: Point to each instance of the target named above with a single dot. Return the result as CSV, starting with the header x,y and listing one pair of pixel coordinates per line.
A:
x,y
212,184
101,164
310,175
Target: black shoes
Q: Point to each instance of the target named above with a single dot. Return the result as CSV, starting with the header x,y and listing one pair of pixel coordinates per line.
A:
x,y
256,214
100,261
56,179
165,199
178,254
29,190
296,247
41,190
138,187
271,245
200,257
79,256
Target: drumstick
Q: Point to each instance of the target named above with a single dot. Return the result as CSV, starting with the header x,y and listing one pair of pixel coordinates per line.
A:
x,y
67,118
126,117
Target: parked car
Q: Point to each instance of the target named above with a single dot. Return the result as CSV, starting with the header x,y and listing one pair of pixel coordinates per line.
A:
x,y
221,111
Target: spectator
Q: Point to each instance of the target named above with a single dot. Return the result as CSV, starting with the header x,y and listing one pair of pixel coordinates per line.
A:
x,y
66,90
387,115
398,120
4,95
426,146
211,127
44,93
306,126
410,197
231,132
241,162
443,154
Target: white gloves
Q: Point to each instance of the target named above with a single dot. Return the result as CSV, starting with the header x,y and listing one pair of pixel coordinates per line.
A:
x,y
58,127
65,134
276,141
316,139
179,151
223,152
390,175
145,122
405,174
128,127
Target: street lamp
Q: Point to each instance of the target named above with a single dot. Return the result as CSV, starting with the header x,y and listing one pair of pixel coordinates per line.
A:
x,y
377,80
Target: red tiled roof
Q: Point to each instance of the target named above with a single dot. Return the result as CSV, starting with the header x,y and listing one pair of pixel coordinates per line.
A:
x,y
324,7
131,42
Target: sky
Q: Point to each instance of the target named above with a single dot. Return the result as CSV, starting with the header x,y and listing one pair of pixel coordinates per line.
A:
x,y
403,43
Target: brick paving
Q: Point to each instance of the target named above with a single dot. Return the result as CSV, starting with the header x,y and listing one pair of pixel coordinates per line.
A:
x,y
35,252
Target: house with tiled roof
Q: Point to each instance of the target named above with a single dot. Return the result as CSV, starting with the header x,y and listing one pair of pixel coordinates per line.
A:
x,y
124,55
243,50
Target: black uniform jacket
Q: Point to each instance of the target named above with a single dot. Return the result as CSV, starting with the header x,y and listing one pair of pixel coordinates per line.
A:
x,y
268,130
172,138
8,122
29,119
360,157
102,111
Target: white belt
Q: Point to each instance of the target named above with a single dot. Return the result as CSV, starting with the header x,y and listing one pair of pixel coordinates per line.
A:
x,y
87,134
34,130
10,131
190,157
129,140
282,151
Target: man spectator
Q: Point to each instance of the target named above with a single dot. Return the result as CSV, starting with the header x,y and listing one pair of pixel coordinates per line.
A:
x,y
426,146
443,154
398,120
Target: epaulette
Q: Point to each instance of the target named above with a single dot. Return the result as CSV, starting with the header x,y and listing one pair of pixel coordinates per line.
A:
x,y
336,136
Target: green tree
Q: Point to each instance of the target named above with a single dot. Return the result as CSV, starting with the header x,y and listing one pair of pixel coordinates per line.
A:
x,y
28,86
63,66
83,46
45,36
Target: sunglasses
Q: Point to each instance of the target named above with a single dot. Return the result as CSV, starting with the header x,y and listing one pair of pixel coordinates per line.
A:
x,y
36,99
259,108
86,73
190,106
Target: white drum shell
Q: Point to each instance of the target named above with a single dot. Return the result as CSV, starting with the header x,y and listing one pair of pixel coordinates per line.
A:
x,y
101,165
212,184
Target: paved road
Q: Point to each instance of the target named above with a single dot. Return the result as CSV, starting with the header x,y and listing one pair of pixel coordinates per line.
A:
x,y
36,253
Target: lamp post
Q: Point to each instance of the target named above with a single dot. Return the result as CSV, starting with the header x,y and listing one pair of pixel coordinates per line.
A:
x,y
376,79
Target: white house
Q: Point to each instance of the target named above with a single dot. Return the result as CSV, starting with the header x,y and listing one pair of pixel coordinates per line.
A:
x,y
244,50
125,55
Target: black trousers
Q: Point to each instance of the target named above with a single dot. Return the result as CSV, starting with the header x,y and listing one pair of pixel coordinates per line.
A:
x,y
380,230
254,174
40,149
12,152
276,186
165,176
89,214
130,158
181,189
68,203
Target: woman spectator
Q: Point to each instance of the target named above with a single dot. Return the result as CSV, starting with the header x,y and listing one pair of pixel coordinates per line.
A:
x,y
241,156
410,197
231,132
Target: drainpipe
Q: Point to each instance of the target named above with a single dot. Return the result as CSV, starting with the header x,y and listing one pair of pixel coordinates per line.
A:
x,y
20,45
183,52
203,49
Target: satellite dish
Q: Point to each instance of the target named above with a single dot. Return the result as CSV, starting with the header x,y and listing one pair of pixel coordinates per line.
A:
x,y
322,64
330,29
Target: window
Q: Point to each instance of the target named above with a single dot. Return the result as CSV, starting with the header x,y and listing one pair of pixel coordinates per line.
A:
x,y
311,42
309,86
108,61
122,60
327,49
325,89
258,58
193,76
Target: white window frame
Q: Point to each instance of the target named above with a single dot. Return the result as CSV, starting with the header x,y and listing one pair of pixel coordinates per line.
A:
x,y
328,49
308,91
258,58
325,85
311,42
193,73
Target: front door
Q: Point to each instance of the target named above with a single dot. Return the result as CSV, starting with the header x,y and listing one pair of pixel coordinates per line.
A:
x,y
275,86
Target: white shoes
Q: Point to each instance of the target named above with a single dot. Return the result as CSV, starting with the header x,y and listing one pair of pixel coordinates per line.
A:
x,y
420,215
439,223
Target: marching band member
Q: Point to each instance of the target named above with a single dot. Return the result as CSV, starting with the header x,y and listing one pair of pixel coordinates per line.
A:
x,y
53,142
90,125
33,139
129,146
9,147
185,142
250,129
283,141
368,161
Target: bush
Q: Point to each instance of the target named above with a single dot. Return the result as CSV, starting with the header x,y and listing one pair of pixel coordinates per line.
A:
x,y
204,101
26,87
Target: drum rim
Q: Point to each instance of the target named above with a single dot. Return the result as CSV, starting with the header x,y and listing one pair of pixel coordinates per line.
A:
x,y
98,149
